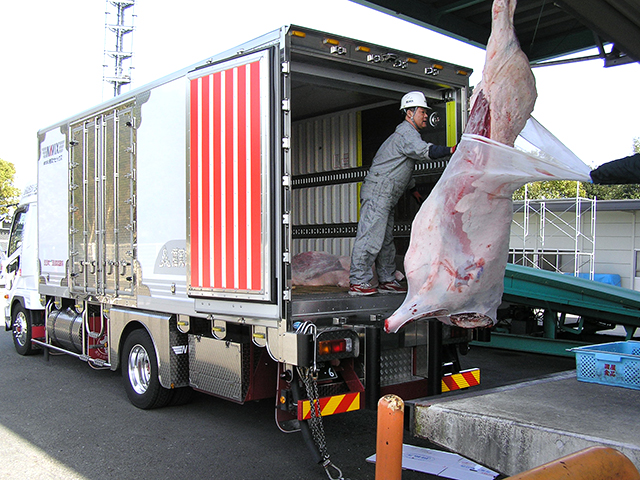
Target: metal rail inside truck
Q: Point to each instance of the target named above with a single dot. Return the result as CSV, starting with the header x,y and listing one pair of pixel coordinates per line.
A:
x,y
166,221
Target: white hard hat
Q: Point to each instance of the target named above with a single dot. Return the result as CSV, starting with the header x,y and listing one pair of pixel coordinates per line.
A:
x,y
412,100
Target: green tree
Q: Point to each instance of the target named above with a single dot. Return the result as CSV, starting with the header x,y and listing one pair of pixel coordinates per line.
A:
x,y
9,194
550,189
612,192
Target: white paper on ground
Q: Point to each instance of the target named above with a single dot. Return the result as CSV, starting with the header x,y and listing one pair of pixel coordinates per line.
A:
x,y
442,464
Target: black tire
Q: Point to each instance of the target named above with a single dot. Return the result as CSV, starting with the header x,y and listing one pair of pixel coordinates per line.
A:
x,y
140,372
181,396
22,330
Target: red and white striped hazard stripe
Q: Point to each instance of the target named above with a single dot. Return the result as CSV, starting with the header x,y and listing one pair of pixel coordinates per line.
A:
x,y
225,175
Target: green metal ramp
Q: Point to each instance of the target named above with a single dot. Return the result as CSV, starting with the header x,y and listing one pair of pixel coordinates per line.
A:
x,y
595,306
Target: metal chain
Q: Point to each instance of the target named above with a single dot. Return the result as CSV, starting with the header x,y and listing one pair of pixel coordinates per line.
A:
x,y
315,422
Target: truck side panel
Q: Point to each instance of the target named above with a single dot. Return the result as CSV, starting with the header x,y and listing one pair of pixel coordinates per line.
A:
x,y
161,192
53,192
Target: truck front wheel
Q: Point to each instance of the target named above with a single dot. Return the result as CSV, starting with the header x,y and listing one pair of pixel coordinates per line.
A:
x,y
22,330
140,372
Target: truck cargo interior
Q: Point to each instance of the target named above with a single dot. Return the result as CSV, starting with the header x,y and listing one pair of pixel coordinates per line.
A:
x,y
340,119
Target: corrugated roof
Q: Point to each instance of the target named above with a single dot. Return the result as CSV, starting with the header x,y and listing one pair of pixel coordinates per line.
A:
x,y
546,29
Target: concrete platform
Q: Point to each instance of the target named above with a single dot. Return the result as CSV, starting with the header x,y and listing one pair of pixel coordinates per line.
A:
x,y
517,427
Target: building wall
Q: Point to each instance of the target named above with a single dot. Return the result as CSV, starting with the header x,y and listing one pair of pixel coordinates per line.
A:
x,y
617,238
615,243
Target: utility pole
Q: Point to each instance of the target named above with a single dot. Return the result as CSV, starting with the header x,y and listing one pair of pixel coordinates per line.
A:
x,y
120,30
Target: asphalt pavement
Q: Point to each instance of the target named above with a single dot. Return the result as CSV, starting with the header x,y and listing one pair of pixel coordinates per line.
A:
x,y
62,419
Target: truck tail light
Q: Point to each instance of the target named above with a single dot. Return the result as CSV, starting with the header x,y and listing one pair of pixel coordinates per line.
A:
x,y
341,345
336,344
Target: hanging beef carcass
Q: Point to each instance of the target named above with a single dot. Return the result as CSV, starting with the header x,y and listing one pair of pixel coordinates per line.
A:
x,y
460,237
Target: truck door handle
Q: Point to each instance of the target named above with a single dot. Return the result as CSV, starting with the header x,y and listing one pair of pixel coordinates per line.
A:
x,y
90,264
124,266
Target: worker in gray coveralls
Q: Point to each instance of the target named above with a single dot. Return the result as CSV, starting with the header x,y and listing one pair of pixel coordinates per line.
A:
x,y
388,178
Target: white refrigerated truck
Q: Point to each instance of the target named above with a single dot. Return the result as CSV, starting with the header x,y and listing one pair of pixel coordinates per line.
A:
x,y
168,219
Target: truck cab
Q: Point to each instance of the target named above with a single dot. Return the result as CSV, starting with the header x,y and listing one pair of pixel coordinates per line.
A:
x,y
23,309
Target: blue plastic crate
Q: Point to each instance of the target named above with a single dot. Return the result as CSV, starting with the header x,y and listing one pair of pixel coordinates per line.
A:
x,y
615,363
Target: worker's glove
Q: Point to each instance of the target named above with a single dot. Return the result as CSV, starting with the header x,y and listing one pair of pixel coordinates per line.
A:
x,y
440,151
416,195
453,149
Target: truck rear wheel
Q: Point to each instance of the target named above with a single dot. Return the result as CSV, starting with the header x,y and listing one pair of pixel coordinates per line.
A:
x,y
22,330
140,372
181,396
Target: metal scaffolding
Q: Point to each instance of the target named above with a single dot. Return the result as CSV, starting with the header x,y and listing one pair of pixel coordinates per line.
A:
x,y
119,54
557,235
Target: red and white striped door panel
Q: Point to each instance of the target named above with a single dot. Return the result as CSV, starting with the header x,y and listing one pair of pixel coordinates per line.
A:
x,y
228,174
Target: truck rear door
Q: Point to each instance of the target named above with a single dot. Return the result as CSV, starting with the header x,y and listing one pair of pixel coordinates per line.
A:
x,y
231,168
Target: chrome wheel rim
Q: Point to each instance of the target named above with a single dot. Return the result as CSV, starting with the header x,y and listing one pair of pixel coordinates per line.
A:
x,y
139,368
20,329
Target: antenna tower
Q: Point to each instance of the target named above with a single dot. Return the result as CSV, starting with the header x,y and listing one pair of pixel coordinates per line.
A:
x,y
119,54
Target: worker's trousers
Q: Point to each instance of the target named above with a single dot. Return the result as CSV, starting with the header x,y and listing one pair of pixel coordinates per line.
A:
x,y
374,238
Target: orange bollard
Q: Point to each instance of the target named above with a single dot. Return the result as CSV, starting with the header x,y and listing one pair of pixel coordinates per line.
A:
x,y
593,463
389,438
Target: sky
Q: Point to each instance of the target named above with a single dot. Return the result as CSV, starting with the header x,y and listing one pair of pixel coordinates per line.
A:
x,y
51,57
